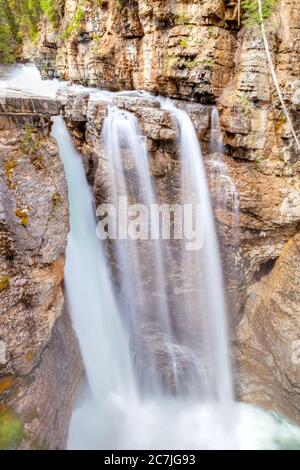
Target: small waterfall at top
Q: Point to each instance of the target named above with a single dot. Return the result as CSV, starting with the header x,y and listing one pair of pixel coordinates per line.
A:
x,y
225,190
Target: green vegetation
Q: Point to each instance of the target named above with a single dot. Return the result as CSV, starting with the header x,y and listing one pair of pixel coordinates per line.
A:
x,y
182,18
75,22
184,42
191,63
29,144
23,216
57,200
198,42
51,10
251,14
119,4
172,61
4,283
209,63
245,106
11,429
19,21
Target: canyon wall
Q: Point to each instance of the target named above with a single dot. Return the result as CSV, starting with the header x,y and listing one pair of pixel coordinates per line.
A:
x,y
40,365
197,53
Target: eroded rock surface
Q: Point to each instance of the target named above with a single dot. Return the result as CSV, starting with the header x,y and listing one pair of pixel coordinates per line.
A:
x,y
40,364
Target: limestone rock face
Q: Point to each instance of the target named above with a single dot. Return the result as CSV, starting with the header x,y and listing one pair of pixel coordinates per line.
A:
x,y
180,49
40,364
269,347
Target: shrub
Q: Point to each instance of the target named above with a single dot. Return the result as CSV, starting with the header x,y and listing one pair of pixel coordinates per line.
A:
x,y
251,12
74,24
51,11
4,283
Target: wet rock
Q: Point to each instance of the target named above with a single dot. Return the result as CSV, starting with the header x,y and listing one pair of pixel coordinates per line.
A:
x,y
41,355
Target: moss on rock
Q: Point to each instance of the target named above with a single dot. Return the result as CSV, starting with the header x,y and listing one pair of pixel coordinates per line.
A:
x,y
11,429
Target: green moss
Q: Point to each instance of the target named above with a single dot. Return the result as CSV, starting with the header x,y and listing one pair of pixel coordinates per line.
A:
x,y
119,4
172,61
57,200
191,63
245,106
23,215
212,31
74,24
9,168
51,11
96,42
184,42
4,283
197,42
29,144
209,63
182,19
11,429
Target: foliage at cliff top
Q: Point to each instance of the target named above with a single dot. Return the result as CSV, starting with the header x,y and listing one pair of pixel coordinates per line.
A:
x,y
251,14
19,21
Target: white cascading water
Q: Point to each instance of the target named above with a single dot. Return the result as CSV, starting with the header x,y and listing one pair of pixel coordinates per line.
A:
x,y
139,263
211,302
88,283
113,407
112,411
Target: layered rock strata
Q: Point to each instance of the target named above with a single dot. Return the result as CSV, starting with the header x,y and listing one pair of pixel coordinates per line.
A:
x,y
39,360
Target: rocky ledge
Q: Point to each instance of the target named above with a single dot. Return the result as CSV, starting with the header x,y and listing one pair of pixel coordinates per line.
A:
x,y
19,108
40,364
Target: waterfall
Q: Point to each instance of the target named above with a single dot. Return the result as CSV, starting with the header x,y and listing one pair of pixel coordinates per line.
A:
x,y
113,407
141,270
205,265
189,405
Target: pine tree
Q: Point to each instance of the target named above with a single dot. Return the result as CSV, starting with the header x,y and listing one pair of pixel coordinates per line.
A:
x,y
7,33
18,22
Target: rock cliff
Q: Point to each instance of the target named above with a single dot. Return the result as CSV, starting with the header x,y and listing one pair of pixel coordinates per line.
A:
x,y
39,361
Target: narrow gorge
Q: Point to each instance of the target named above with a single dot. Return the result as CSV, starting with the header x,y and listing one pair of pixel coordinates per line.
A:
x,y
114,340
